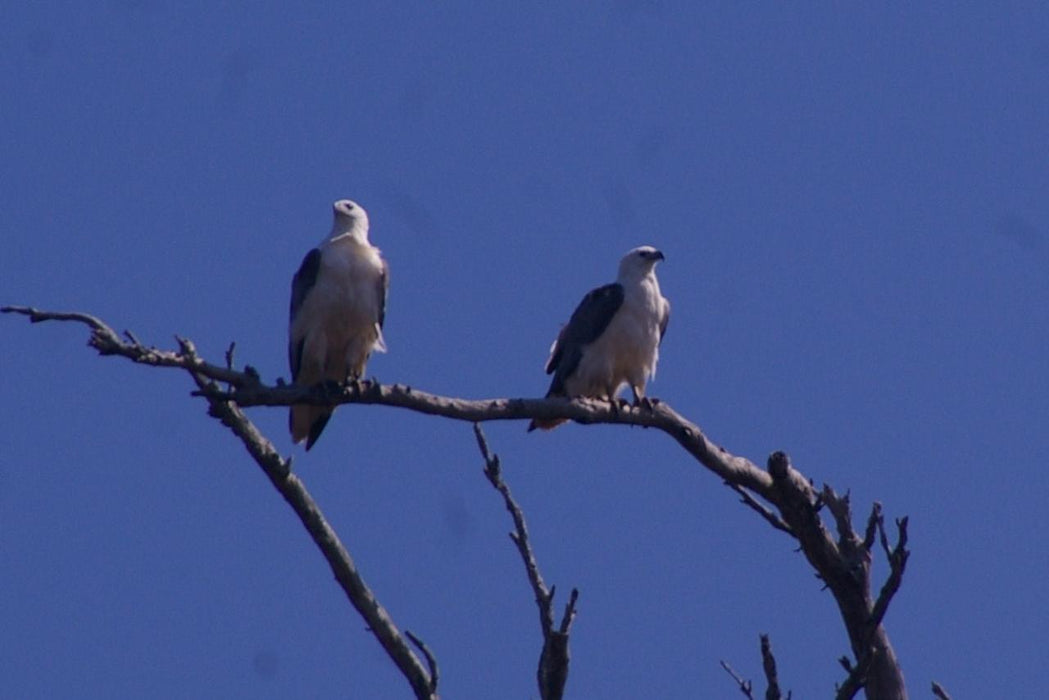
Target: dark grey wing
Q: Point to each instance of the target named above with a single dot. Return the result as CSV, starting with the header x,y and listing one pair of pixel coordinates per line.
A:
x,y
301,285
383,289
588,322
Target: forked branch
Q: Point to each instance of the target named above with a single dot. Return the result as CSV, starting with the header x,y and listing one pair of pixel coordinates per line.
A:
x,y
768,664
793,503
553,660
277,469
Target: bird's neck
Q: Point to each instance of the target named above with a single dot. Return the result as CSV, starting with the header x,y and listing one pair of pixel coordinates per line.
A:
x,y
635,278
352,235
643,285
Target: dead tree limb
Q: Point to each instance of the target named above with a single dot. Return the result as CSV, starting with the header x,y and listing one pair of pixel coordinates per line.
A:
x,y
552,672
745,686
278,470
842,563
768,664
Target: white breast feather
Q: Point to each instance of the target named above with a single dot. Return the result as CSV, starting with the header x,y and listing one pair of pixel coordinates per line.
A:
x,y
340,315
627,352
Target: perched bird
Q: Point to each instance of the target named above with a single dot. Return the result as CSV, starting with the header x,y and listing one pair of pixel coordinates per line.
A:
x,y
338,305
613,336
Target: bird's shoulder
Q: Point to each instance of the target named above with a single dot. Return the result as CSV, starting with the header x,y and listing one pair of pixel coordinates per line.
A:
x,y
593,314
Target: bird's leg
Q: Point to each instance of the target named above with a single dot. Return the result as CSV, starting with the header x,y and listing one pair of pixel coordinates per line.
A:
x,y
618,404
330,388
353,381
642,401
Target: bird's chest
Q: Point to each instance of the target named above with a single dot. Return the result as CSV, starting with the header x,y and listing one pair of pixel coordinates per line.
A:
x,y
638,317
346,290
631,335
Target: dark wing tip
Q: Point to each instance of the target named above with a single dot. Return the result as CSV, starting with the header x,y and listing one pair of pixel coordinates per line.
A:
x,y
316,429
295,358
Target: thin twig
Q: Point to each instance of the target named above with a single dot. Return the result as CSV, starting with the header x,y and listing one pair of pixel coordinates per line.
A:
x,y
107,342
493,470
939,692
229,354
431,661
856,679
873,523
745,687
772,518
897,557
569,615
552,673
840,508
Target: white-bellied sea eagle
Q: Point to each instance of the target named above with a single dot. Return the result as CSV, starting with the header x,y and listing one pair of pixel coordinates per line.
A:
x,y
338,305
613,336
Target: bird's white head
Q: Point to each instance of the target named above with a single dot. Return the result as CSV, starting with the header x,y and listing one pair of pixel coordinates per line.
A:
x,y
639,262
350,218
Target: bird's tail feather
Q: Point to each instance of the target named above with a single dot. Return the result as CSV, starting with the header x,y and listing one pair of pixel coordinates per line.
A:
x,y
307,423
546,423
549,423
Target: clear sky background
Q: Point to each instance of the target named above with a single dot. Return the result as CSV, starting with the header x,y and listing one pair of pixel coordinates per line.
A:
x,y
853,206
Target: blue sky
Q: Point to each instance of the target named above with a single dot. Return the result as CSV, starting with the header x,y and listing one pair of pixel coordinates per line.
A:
x,y
853,207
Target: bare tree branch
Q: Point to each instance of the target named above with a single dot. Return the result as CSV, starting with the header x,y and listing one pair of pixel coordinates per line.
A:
x,y
842,563
552,673
745,686
569,614
773,519
856,678
249,391
431,661
107,342
493,470
872,526
768,663
276,468
897,557
939,692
